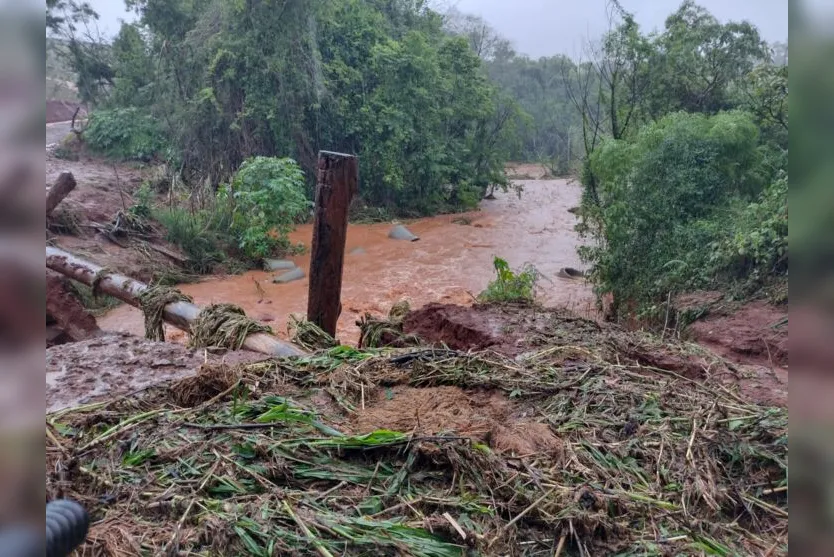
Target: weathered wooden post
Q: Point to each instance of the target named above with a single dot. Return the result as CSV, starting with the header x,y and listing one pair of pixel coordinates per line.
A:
x,y
62,188
337,182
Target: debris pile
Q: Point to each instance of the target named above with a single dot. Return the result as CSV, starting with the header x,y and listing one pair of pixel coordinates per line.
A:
x,y
408,451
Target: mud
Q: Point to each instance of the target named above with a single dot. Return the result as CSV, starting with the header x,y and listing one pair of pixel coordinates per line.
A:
x,y
508,329
485,416
754,334
450,264
61,111
118,364
527,171
103,190
457,327
67,312
520,331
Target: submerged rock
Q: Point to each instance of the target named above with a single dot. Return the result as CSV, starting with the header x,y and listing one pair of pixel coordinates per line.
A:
x,y
400,232
278,264
289,276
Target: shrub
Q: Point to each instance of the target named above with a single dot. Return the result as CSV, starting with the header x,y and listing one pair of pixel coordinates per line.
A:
x,y
510,286
124,134
196,234
142,202
667,199
267,199
757,244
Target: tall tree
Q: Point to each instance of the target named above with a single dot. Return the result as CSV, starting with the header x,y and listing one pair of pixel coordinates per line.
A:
x,y
698,58
72,24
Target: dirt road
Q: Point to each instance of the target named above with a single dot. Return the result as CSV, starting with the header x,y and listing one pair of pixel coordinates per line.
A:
x,y
57,131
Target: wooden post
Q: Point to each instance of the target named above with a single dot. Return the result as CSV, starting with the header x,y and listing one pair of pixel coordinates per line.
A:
x,y
62,188
336,184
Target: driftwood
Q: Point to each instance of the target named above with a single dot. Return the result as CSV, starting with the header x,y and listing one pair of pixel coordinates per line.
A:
x,y
62,188
175,256
178,314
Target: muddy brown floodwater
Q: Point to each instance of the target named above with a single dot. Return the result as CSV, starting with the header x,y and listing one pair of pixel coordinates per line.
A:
x,y
451,262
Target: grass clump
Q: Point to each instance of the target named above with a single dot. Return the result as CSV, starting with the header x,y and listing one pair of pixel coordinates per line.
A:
x,y
198,234
95,302
509,285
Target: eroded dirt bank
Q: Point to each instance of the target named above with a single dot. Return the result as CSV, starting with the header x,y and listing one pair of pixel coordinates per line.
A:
x,y
121,363
451,263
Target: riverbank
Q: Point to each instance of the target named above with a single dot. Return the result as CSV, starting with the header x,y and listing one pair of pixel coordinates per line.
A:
x,y
451,263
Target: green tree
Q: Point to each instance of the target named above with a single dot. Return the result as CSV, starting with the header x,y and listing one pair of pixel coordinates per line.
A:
x,y
764,92
666,195
698,59
379,78
133,69
88,55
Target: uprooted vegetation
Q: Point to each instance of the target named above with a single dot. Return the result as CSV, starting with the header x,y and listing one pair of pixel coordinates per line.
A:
x,y
613,453
230,230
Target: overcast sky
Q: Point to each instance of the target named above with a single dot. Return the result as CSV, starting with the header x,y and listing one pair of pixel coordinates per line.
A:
x,y
547,27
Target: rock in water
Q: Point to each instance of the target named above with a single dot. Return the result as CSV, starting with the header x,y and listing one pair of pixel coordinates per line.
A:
x,y
278,264
400,232
570,273
289,276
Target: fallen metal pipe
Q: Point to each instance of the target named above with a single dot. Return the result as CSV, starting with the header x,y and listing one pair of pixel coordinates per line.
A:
x,y
126,289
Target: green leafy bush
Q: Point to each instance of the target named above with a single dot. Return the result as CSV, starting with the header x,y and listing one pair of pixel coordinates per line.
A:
x,y
124,134
757,245
510,286
668,199
267,199
248,220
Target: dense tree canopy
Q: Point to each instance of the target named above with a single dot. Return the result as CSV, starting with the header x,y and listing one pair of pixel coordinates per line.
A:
x,y
379,78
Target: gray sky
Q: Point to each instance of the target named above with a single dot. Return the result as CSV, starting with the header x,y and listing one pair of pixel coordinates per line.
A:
x,y
547,27
111,12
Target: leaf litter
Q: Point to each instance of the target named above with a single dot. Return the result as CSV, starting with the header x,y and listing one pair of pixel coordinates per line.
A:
x,y
577,447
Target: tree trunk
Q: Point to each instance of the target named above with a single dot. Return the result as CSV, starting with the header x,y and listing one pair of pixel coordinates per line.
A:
x,y
62,188
178,314
336,184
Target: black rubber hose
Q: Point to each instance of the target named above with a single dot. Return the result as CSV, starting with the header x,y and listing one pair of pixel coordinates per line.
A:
x,y
66,527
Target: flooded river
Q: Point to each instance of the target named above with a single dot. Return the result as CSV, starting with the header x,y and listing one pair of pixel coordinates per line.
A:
x,y
452,262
